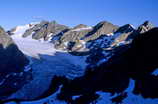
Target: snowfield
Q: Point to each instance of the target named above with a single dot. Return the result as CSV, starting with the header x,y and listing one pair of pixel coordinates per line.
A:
x,y
46,62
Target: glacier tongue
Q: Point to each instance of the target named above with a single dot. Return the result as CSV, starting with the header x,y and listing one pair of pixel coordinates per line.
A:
x,y
46,62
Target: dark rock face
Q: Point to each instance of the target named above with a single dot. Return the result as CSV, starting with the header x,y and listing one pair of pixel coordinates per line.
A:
x,y
147,87
138,61
144,48
146,63
13,61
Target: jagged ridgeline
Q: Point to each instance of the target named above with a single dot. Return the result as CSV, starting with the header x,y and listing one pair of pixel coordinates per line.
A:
x,y
81,37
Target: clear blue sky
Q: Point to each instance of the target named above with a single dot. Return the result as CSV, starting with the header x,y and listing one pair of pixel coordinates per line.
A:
x,y
73,12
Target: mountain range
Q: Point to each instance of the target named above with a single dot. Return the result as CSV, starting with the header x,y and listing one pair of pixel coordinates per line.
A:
x,y
50,63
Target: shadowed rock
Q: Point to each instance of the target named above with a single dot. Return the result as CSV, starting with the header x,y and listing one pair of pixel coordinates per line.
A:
x,y
136,62
12,64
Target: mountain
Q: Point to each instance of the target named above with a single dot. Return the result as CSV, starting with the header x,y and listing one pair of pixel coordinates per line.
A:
x,y
46,62
138,62
82,35
101,28
13,66
84,64
42,30
73,37
45,30
146,26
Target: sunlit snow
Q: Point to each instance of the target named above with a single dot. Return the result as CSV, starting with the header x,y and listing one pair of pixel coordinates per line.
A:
x,y
82,29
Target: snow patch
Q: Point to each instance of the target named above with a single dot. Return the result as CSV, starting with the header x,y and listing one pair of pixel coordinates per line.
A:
x,y
75,97
82,29
155,73
104,98
110,34
132,26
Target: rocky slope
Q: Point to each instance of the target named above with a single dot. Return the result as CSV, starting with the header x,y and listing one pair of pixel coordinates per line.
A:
x,y
137,62
13,64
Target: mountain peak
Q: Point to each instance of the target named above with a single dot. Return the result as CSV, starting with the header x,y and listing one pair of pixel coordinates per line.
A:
x,y
80,26
146,26
105,27
126,28
44,22
147,23
104,23
54,22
